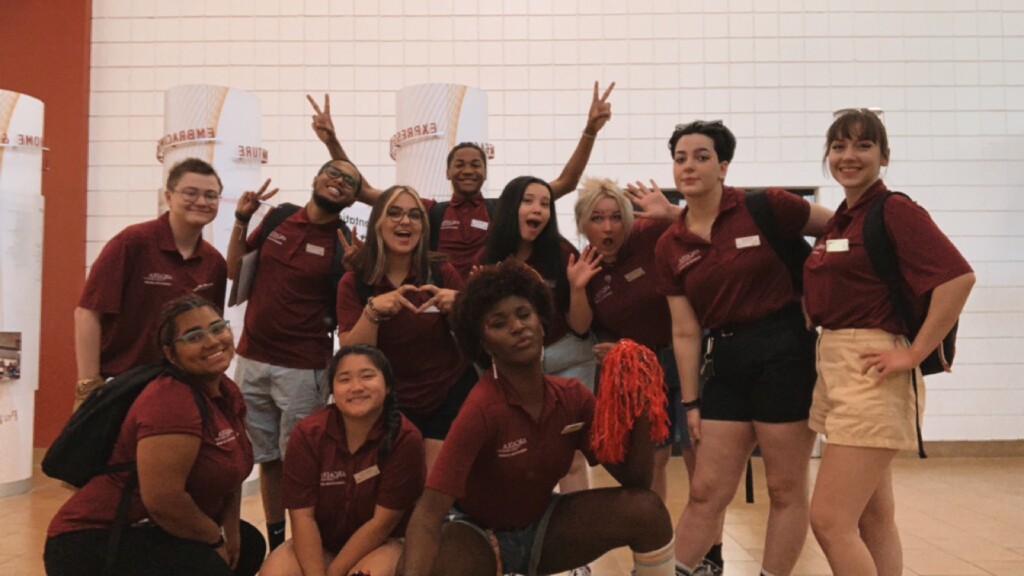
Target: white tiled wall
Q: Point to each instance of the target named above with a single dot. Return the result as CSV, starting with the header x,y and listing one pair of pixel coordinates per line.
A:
x,y
949,73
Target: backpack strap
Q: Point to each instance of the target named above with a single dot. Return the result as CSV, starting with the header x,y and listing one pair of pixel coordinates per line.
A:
x,y
273,219
792,251
435,216
878,245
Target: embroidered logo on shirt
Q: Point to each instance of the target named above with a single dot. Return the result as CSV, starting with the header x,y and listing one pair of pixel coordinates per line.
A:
x,y
513,448
687,260
157,279
449,225
276,237
332,478
602,293
206,286
225,436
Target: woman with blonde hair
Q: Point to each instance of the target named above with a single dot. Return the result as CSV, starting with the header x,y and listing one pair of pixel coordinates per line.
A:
x,y
397,297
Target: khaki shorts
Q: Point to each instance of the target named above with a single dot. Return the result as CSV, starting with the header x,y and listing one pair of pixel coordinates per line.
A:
x,y
854,410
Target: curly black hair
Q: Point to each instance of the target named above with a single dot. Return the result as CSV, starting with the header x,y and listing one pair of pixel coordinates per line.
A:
x,y
487,287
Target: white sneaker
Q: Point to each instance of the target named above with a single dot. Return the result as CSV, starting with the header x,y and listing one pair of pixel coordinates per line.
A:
x,y
707,568
581,571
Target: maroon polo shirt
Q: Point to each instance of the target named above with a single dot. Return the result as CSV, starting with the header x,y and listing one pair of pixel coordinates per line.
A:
x,y
559,325
287,318
422,351
736,278
463,230
138,271
624,296
168,406
841,289
499,464
344,488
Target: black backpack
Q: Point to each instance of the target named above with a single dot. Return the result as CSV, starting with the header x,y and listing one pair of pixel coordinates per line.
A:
x,y
792,251
281,213
85,445
883,260
436,215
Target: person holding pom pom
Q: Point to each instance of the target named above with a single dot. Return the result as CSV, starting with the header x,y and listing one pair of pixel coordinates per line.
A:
x,y
515,437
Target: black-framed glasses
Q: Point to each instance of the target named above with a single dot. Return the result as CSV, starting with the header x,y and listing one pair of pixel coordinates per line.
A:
x,y
335,174
698,124
395,214
197,335
192,194
876,111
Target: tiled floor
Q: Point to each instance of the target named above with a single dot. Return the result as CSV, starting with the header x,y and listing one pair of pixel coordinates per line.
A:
x,y
956,517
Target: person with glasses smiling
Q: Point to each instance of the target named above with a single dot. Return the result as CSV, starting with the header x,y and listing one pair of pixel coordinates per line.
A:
x,y
397,297
720,274
185,434
286,342
141,268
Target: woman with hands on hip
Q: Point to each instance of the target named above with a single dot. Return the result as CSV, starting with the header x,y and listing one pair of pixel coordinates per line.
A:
x,y
397,297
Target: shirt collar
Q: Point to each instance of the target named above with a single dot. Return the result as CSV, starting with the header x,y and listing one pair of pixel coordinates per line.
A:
x,y
335,429
165,237
474,200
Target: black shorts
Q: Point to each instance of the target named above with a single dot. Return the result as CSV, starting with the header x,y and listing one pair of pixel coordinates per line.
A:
x,y
436,424
763,372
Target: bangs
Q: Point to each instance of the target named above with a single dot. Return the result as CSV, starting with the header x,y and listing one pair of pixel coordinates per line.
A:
x,y
857,126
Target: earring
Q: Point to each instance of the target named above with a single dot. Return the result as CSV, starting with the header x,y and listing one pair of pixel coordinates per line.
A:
x,y
494,367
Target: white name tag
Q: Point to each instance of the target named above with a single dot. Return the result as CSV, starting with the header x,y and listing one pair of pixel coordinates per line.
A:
x,y
431,310
312,249
837,245
634,274
367,474
479,224
572,428
748,242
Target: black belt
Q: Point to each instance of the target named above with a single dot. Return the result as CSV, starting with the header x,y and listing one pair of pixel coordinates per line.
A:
x,y
780,316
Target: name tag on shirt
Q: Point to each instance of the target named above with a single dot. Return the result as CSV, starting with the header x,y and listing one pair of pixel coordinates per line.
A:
x,y
367,474
479,224
837,245
634,274
572,428
748,242
313,249
431,310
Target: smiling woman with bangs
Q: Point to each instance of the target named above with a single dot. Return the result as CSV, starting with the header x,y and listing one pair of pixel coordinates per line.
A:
x,y
397,297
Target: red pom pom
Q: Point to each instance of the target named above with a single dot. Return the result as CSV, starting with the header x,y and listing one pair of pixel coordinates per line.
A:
x,y
632,384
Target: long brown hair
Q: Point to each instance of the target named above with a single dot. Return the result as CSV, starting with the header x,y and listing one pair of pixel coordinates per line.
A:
x,y
370,263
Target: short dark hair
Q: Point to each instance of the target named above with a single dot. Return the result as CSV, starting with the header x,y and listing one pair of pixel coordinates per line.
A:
x,y
191,166
725,142
460,146
486,288
359,175
859,123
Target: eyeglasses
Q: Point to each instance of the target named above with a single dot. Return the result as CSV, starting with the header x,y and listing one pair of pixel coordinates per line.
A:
x,y
395,214
876,111
335,174
191,195
197,335
698,124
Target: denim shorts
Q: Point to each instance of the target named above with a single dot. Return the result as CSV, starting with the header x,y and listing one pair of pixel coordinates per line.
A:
x,y
572,357
519,549
276,398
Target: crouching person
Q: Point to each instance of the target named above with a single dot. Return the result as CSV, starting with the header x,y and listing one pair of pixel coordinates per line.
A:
x,y
510,444
353,472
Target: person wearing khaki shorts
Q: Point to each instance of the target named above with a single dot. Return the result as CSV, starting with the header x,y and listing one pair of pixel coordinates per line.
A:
x,y
854,409
864,400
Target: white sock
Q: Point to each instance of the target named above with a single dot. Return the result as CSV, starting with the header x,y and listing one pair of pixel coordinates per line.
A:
x,y
766,573
658,562
684,568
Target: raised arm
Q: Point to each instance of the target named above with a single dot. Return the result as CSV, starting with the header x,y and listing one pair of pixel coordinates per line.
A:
x,y
323,126
580,271
247,205
599,114
652,202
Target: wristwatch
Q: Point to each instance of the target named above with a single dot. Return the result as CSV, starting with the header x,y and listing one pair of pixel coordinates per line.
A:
x,y
87,385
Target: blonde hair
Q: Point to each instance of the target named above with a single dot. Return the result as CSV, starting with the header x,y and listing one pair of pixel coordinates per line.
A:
x,y
370,262
593,191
